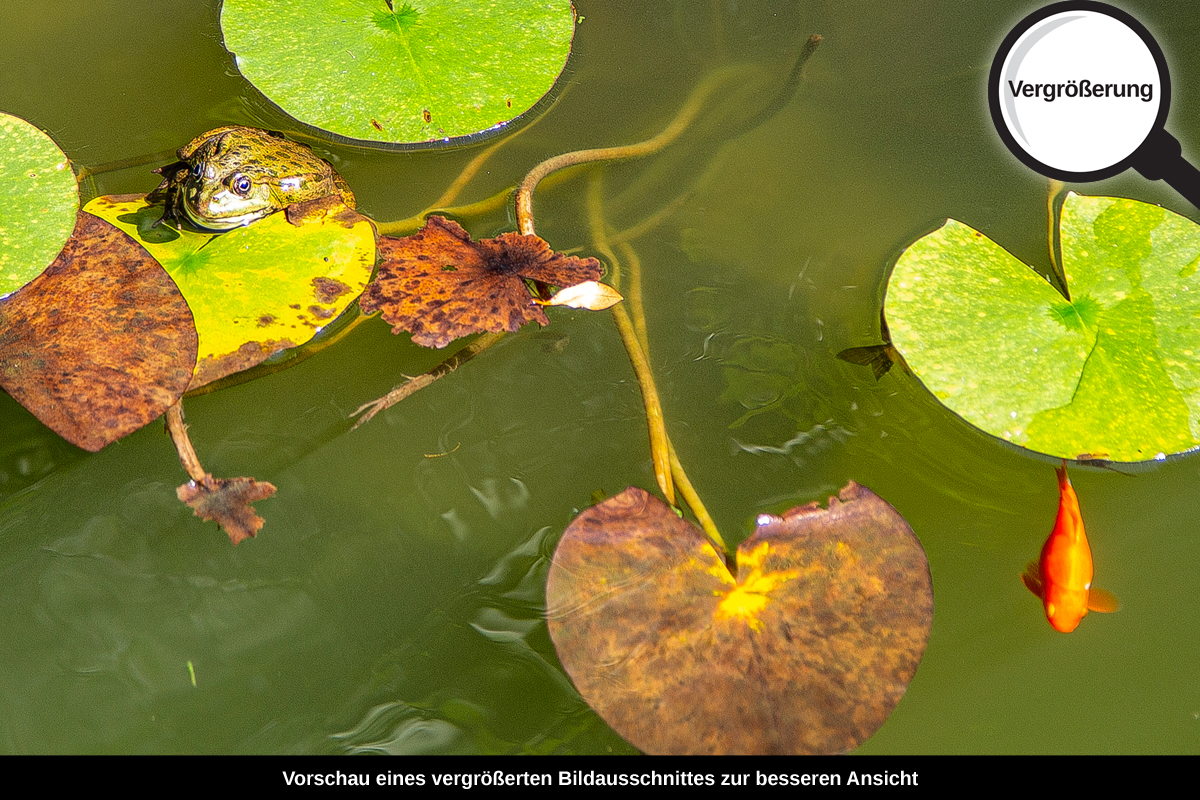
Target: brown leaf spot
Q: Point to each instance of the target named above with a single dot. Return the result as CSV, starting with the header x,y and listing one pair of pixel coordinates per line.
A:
x,y
807,650
119,199
101,342
266,320
322,313
439,285
328,290
226,501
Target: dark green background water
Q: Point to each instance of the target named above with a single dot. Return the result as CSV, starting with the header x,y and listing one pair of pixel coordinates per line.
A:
x,y
393,601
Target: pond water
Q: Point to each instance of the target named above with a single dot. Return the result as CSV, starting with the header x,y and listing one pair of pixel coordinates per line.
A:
x,y
393,601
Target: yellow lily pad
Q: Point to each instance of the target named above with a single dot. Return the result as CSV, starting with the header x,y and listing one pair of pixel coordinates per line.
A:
x,y
255,290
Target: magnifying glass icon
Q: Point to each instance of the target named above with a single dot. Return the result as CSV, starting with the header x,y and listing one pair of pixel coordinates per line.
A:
x,y
1079,91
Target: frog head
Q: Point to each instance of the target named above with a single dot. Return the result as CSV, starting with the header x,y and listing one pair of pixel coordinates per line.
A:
x,y
234,175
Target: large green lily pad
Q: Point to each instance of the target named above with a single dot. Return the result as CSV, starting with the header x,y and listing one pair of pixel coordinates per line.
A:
x,y
256,290
420,71
807,650
1112,373
38,201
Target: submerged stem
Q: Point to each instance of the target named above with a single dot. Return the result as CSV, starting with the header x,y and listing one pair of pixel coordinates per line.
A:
x,y
442,204
787,91
636,308
660,446
412,385
668,469
695,103
635,344
406,226
691,497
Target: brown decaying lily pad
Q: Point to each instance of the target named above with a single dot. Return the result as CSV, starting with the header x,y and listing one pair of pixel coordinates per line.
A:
x,y
808,651
250,354
440,286
226,501
101,342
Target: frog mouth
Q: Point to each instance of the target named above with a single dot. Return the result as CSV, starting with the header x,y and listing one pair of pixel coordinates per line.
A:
x,y
222,223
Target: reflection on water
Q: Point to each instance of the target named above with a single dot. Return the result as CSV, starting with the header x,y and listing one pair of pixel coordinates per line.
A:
x,y
392,602
29,451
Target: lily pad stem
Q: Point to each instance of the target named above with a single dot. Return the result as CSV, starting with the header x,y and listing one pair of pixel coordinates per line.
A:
x,y
660,446
694,105
692,498
668,470
442,204
476,164
478,208
633,336
183,444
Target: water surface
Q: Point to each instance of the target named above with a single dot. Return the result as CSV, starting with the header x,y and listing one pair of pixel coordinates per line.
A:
x,y
393,601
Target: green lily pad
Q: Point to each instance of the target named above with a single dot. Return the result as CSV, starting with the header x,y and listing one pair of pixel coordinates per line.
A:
x,y
414,72
1112,373
38,201
256,290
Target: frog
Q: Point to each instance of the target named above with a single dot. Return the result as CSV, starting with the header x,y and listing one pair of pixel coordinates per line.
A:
x,y
234,175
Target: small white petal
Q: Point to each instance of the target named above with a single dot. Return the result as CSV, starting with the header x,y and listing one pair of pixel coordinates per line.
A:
x,y
592,295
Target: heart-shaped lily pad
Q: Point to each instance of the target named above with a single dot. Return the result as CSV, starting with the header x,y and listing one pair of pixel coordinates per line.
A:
x,y
807,650
420,71
101,342
256,290
1112,373
38,201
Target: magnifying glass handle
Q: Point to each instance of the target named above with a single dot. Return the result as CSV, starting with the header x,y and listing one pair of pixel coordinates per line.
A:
x,y
1160,158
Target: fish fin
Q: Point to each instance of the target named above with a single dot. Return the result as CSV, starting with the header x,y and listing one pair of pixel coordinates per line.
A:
x,y
1061,471
1102,601
1032,578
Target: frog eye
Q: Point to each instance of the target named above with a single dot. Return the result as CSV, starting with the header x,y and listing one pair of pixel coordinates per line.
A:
x,y
240,184
197,168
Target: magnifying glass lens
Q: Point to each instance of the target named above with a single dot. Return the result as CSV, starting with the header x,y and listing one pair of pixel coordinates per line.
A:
x,y
1080,91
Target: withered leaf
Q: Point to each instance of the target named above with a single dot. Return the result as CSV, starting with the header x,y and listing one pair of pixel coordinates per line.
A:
x,y
226,501
806,651
879,357
101,342
439,285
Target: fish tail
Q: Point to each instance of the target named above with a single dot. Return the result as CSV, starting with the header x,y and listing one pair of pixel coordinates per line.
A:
x,y
1063,480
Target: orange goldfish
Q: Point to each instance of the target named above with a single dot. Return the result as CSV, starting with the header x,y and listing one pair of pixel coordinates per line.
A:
x,y
1063,575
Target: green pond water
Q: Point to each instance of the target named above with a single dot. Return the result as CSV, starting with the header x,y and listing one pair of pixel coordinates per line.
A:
x,y
393,601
